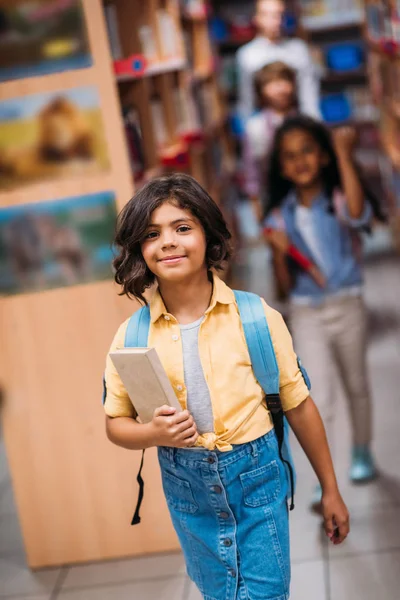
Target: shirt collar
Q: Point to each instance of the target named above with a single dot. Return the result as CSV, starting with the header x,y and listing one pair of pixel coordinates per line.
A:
x,y
222,294
320,200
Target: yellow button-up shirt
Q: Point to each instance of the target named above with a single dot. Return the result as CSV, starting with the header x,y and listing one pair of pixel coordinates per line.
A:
x,y
238,401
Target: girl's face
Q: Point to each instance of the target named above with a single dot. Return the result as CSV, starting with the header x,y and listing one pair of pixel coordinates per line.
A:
x,y
174,246
302,159
279,94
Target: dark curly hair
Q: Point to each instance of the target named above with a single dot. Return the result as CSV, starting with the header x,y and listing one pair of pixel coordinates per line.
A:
x,y
131,271
278,186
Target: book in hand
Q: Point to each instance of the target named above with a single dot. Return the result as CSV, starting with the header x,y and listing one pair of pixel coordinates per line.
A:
x,y
145,380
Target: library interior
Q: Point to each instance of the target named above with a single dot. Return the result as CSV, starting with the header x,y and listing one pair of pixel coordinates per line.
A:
x,y
101,99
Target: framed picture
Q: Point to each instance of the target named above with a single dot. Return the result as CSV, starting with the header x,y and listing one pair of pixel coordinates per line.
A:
x,y
38,37
55,244
51,135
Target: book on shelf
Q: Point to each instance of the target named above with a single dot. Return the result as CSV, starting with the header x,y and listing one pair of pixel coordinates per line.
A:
x,y
157,114
110,13
145,380
168,34
208,102
182,109
134,139
148,42
201,109
193,7
188,47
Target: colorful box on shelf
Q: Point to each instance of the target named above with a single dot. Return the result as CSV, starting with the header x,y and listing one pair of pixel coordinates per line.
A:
x,y
345,57
335,108
192,136
175,156
133,66
137,66
389,46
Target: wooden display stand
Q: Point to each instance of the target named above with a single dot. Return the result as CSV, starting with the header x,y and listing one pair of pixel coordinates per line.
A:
x,y
75,492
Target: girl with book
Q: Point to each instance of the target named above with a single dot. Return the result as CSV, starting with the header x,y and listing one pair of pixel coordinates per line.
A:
x,y
223,478
319,204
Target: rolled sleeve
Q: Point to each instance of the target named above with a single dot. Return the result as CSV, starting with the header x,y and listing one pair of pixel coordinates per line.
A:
x,y
292,384
275,221
362,221
116,399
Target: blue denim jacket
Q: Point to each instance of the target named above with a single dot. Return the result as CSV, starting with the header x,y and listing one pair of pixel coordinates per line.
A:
x,y
338,240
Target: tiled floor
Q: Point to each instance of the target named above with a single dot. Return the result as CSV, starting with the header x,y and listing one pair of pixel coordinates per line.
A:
x,y
366,567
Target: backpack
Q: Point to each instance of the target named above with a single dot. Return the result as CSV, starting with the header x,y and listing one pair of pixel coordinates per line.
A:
x,y
265,369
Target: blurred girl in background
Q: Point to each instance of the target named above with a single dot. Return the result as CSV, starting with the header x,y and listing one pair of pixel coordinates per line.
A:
x,y
317,202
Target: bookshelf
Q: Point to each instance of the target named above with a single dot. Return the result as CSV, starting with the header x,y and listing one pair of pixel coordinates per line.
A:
x,y
383,39
165,73
336,33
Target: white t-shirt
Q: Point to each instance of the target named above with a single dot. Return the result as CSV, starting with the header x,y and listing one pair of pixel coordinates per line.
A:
x,y
305,224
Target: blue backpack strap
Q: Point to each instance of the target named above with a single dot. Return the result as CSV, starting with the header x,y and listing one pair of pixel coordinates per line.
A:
x,y
136,336
137,331
266,371
259,341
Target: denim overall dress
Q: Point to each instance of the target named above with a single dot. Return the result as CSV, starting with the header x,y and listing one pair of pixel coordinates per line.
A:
x,y
230,512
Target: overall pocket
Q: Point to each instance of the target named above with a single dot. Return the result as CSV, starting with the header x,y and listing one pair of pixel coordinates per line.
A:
x,y
261,486
178,493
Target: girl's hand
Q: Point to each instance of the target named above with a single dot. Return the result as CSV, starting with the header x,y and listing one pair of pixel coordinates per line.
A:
x,y
277,239
173,429
336,517
344,139
317,276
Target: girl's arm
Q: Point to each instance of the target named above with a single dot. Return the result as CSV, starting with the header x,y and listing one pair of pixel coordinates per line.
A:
x,y
167,428
344,139
307,425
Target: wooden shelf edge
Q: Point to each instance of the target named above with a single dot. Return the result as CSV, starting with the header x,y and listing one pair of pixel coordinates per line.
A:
x,y
323,24
343,76
136,67
356,123
232,42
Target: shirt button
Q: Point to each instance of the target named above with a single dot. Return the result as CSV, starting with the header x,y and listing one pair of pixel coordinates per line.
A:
x,y
217,489
179,388
224,515
167,317
211,460
232,572
227,542
175,337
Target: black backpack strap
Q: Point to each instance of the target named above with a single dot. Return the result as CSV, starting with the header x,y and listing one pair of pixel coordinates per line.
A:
x,y
139,479
275,408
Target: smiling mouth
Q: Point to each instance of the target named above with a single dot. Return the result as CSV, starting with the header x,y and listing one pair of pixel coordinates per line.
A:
x,y
171,259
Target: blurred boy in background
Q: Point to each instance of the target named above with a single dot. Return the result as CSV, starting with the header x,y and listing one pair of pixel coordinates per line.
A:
x,y
270,46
